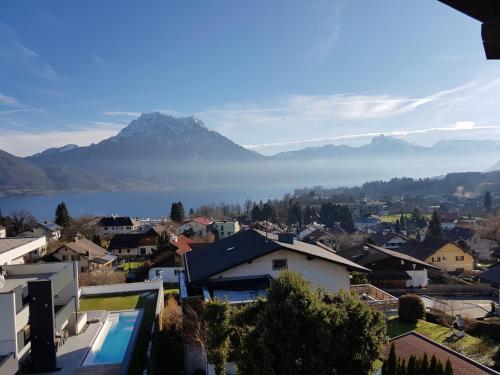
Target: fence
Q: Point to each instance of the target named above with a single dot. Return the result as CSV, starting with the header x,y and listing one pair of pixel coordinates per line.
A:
x,y
439,289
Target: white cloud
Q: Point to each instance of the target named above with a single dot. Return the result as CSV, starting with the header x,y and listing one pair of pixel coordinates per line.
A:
x,y
24,144
19,56
9,101
99,60
122,113
457,127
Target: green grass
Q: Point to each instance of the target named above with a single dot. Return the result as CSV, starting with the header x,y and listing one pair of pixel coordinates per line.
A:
x,y
146,301
170,291
130,266
479,349
394,217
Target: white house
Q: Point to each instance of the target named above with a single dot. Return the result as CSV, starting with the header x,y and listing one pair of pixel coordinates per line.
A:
x,y
18,250
3,232
31,297
226,228
253,255
389,239
198,226
109,226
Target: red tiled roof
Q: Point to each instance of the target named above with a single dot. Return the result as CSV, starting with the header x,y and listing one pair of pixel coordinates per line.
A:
x,y
183,244
415,344
202,220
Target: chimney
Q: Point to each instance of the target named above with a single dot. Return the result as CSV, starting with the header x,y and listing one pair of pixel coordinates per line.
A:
x,y
76,238
285,237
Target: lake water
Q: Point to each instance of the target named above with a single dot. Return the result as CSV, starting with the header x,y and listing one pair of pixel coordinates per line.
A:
x,y
133,203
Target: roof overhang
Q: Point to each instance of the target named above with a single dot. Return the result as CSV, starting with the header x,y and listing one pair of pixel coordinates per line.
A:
x,y
488,13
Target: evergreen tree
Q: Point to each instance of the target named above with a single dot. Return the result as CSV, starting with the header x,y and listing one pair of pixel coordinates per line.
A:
x,y
435,228
256,213
412,366
62,217
391,363
177,212
423,365
448,370
402,222
487,201
397,227
432,366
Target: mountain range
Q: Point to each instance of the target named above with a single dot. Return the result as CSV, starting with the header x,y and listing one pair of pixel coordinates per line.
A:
x,y
157,151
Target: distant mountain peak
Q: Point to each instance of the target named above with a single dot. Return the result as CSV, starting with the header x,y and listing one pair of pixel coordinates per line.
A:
x,y
55,150
384,140
158,124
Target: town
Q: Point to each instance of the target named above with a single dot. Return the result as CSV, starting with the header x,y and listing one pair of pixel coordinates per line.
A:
x,y
421,274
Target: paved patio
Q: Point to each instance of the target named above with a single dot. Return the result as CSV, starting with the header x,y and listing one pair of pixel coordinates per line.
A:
x,y
71,354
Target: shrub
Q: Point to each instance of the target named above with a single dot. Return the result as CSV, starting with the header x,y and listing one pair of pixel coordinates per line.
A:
x,y
411,308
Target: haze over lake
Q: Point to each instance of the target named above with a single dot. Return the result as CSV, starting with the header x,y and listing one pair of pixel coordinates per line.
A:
x,y
132,203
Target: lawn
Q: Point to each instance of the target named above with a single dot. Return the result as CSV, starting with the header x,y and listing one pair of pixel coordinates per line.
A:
x,y
146,301
481,350
130,266
394,217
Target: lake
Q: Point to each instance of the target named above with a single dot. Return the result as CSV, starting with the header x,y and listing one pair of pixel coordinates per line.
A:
x,y
133,203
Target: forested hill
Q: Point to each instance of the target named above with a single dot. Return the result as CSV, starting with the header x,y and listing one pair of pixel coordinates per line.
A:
x,y
460,183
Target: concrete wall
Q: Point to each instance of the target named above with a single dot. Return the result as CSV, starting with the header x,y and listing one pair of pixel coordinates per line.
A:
x,y
330,276
169,274
8,333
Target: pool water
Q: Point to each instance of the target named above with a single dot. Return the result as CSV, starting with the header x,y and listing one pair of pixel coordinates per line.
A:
x,y
111,344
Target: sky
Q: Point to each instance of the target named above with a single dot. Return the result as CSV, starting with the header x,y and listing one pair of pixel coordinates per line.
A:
x,y
271,75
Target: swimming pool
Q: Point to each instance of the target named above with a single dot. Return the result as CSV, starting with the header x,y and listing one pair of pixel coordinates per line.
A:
x,y
114,339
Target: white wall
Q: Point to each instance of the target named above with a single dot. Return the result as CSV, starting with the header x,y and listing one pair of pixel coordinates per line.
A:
x,y
418,279
169,274
330,276
8,334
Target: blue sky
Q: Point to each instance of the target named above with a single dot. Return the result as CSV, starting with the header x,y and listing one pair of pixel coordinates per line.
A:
x,y
270,75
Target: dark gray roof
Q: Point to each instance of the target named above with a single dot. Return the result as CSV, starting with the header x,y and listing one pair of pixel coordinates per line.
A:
x,y
367,253
116,221
245,246
458,233
381,238
131,239
422,250
492,275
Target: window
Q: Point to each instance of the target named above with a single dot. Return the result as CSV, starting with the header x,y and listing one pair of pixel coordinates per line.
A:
x,y
176,272
459,258
436,259
128,228
65,257
279,264
444,258
120,251
143,251
105,228
128,250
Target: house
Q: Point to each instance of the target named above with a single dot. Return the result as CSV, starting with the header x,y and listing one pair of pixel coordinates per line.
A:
x,y
109,226
347,237
390,269
3,232
244,262
226,228
481,247
309,228
439,252
199,226
415,344
36,303
364,223
388,239
18,250
449,220
136,244
90,256
50,230
266,226
321,236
